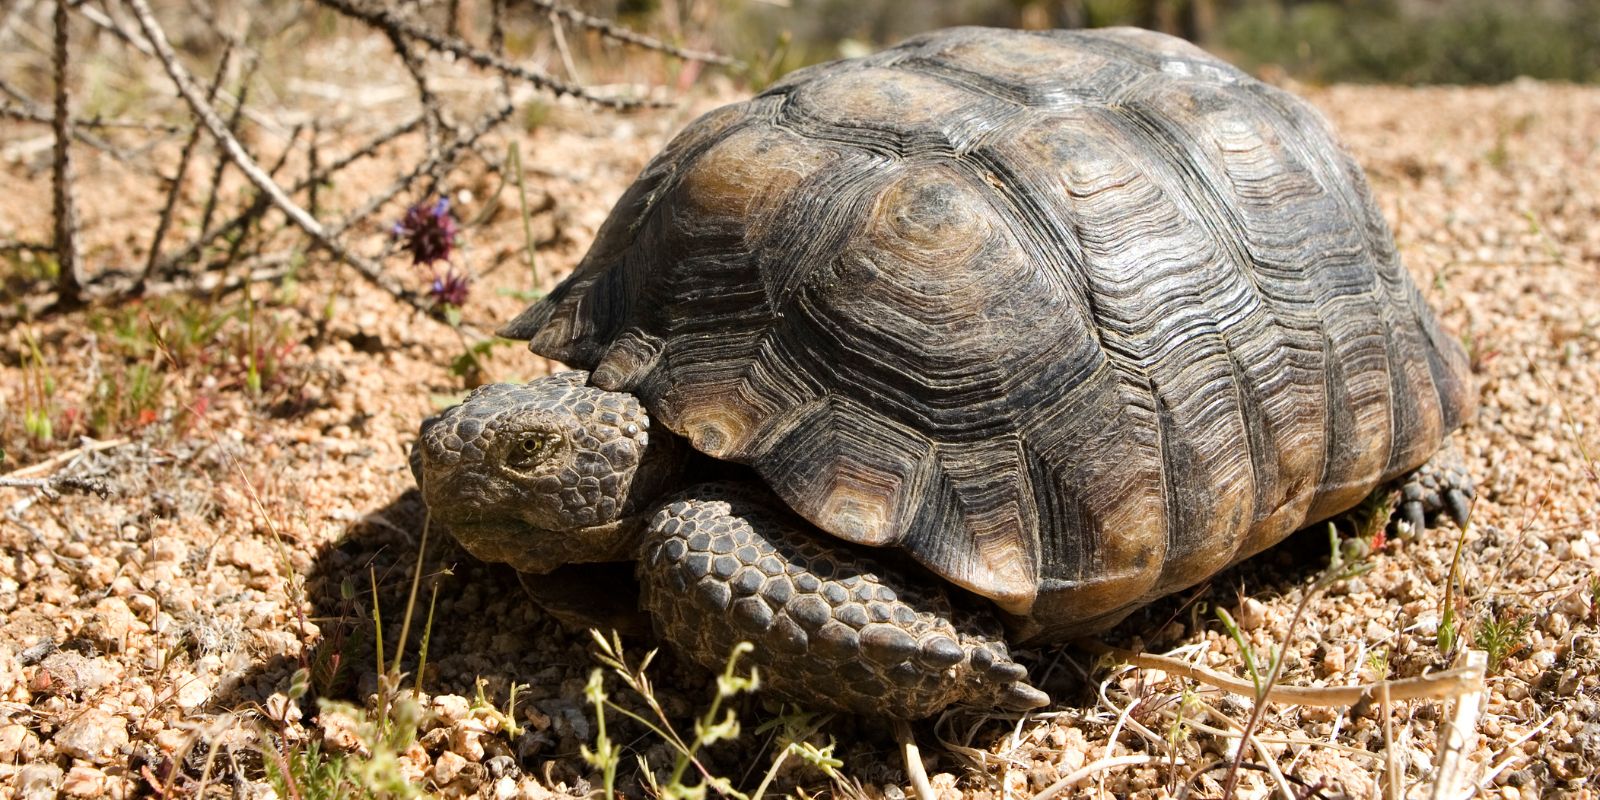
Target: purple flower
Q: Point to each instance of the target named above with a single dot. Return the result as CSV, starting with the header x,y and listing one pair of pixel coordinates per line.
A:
x,y
429,232
450,289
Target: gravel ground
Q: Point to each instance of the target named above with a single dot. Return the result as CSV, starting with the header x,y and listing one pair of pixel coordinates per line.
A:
x,y
151,636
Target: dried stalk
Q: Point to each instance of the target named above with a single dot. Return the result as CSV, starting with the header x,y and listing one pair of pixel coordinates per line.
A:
x,y
19,246
430,102
70,282
447,155
317,176
176,188
613,31
35,111
241,159
388,21
23,114
314,166
221,167
1433,686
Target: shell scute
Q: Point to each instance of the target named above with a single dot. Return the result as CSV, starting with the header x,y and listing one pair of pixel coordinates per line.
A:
x,y
1072,318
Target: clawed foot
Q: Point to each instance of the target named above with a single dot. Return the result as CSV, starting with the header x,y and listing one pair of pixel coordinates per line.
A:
x,y
1440,486
833,626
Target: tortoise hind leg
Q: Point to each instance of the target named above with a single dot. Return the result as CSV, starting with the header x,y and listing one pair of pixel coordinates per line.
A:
x,y
832,626
1441,486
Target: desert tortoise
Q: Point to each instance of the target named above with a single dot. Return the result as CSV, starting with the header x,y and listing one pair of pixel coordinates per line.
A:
x,y
989,337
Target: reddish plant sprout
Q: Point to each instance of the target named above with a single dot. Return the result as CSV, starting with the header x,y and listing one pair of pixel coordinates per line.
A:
x,y
450,289
428,232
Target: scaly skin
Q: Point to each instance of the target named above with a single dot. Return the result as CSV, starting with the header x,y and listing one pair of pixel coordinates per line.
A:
x,y
556,473
828,620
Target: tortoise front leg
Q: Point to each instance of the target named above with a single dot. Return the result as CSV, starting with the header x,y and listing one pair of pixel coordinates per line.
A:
x,y
832,626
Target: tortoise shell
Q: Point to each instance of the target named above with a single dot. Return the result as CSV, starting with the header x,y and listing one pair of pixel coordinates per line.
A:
x,y
1073,318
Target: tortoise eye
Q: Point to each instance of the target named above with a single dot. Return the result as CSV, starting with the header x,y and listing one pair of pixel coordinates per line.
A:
x,y
530,450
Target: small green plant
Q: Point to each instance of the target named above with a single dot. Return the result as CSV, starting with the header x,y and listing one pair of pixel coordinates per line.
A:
x,y
38,391
1252,664
716,724
469,365
1446,637
309,772
514,159
1502,634
1378,663
1346,560
485,707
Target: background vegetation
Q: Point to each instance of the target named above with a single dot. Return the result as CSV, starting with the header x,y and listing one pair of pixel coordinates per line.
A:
x,y
1388,41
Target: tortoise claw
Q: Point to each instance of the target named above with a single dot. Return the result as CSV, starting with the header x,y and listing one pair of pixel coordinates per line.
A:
x,y
1458,505
1414,515
1021,697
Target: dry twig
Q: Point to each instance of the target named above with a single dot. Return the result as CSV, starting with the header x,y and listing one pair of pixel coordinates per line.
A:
x,y
166,265
389,22
1433,686
613,31
176,187
1457,736
69,255
247,165
27,114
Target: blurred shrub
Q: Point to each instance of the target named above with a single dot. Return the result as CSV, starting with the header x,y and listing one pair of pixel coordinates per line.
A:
x,y
1399,41
1461,41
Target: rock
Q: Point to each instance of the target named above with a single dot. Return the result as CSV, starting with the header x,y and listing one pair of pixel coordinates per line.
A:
x,y
168,550
38,781
449,709
339,732
1575,604
1252,614
447,767
111,624
17,744
94,736
66,672
282,710
505,788
253,556
191,692
84,781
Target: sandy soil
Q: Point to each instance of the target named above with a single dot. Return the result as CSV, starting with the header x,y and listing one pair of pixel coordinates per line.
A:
x,y
150,637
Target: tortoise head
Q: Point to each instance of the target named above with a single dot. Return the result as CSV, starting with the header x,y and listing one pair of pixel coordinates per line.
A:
x,y
543,474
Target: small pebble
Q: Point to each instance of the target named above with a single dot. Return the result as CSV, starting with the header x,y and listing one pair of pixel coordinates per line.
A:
x,y
94,736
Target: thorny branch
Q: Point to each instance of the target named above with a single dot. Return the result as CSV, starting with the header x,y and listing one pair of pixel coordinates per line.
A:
x,y
69,255
220,123
386,20
247,165
176,186
611,30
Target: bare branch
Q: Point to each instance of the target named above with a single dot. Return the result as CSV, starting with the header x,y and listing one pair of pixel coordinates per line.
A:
x,y
18,246
177,177
1432,686
53,486
387,20
219,130
22,114
317,176
221,168
36,111
448,154
70,282
430,103
611,30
